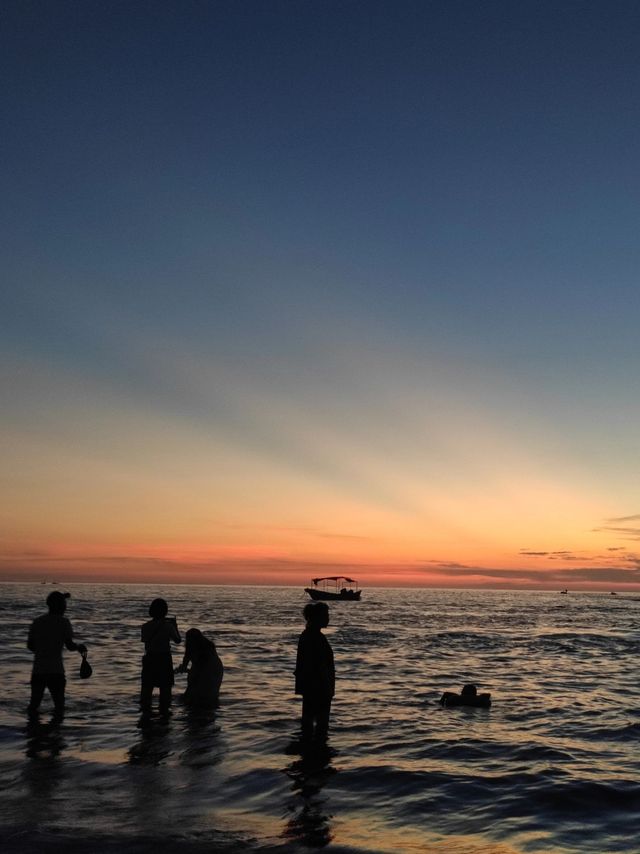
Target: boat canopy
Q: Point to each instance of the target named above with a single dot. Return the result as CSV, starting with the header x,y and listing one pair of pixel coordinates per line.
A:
x,y
334,578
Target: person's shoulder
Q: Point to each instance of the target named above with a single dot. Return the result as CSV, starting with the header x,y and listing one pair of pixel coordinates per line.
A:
x,y
48,620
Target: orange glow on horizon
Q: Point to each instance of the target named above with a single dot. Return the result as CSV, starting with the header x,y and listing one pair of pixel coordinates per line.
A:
x,y
181,500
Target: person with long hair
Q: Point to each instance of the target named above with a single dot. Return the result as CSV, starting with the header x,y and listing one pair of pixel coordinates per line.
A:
x,y
204,676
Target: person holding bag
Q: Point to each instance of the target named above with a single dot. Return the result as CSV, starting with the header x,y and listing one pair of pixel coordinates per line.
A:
x,y
48,634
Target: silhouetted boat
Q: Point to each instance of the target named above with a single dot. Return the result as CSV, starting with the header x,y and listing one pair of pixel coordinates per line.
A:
x,y
334,587
564,591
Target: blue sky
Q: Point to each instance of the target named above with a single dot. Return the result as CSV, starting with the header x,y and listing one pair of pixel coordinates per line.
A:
x,y
298,227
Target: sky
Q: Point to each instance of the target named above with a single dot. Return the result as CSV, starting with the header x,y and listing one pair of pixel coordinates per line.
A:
x,y
304,288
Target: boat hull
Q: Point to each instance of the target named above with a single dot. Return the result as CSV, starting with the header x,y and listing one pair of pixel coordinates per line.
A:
x,y
348,596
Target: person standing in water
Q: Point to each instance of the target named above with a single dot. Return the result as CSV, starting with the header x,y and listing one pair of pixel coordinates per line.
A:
x,y
47,636
157,664
315,673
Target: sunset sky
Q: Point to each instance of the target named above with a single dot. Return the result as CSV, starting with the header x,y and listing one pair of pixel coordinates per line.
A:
x,y
301,288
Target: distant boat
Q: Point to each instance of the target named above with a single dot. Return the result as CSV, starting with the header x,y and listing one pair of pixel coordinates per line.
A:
x,y
613,593
564,591
334,587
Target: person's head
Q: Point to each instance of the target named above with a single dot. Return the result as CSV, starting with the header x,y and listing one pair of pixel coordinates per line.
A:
x,y
158,609
316,614
196,643
57,602
469,691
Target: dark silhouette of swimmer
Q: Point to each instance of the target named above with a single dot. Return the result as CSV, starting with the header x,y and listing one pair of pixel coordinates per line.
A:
x,y
315,673
467,697
48,634
157,664
204,677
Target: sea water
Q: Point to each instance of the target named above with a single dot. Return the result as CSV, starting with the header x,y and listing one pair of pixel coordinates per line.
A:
x,y
553,766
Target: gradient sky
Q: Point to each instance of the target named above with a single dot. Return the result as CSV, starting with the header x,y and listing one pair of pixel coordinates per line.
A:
x,y
295,286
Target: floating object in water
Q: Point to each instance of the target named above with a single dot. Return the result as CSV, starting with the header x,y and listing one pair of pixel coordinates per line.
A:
x,y
467,697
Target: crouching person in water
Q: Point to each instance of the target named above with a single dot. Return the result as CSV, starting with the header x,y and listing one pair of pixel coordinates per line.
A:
x,y
204,677
315,673
47,635
157,664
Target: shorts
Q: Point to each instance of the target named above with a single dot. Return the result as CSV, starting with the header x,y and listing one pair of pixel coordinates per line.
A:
x,y
157,670
52,681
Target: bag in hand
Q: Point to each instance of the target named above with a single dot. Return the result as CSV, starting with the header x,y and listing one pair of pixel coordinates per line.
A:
x,y
85,668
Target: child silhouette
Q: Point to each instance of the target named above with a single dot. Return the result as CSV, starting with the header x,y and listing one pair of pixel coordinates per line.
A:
x,y
315,673
157,665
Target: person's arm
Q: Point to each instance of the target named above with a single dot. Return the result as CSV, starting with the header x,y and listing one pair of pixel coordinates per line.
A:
x,y
69,641
31,640
304,666
174,634
331,669
182,667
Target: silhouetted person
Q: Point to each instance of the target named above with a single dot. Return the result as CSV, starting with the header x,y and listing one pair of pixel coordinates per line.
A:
x,y
47,635
315,673
204,677
467,697
157,664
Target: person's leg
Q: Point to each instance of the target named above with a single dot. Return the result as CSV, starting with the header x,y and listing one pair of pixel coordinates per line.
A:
x,y
146,692
38,684
323,710
308,716
56,684
165,699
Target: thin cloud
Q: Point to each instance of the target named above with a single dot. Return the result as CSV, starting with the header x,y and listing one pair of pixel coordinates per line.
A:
x,y
558,554
629,533
564,576
616,525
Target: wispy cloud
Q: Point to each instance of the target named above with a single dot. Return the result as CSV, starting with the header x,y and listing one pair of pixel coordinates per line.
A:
x,y
558,554
626,532
634,518
564,576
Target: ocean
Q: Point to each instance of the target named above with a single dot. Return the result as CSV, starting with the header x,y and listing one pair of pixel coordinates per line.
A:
x,y
553,766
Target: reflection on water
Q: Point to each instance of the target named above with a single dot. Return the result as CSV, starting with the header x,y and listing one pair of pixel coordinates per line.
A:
x,y
552,766
43,772
44,741
203,742
154,746
310,822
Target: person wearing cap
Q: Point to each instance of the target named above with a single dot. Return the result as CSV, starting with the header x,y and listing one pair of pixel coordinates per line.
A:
x,y
48,634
